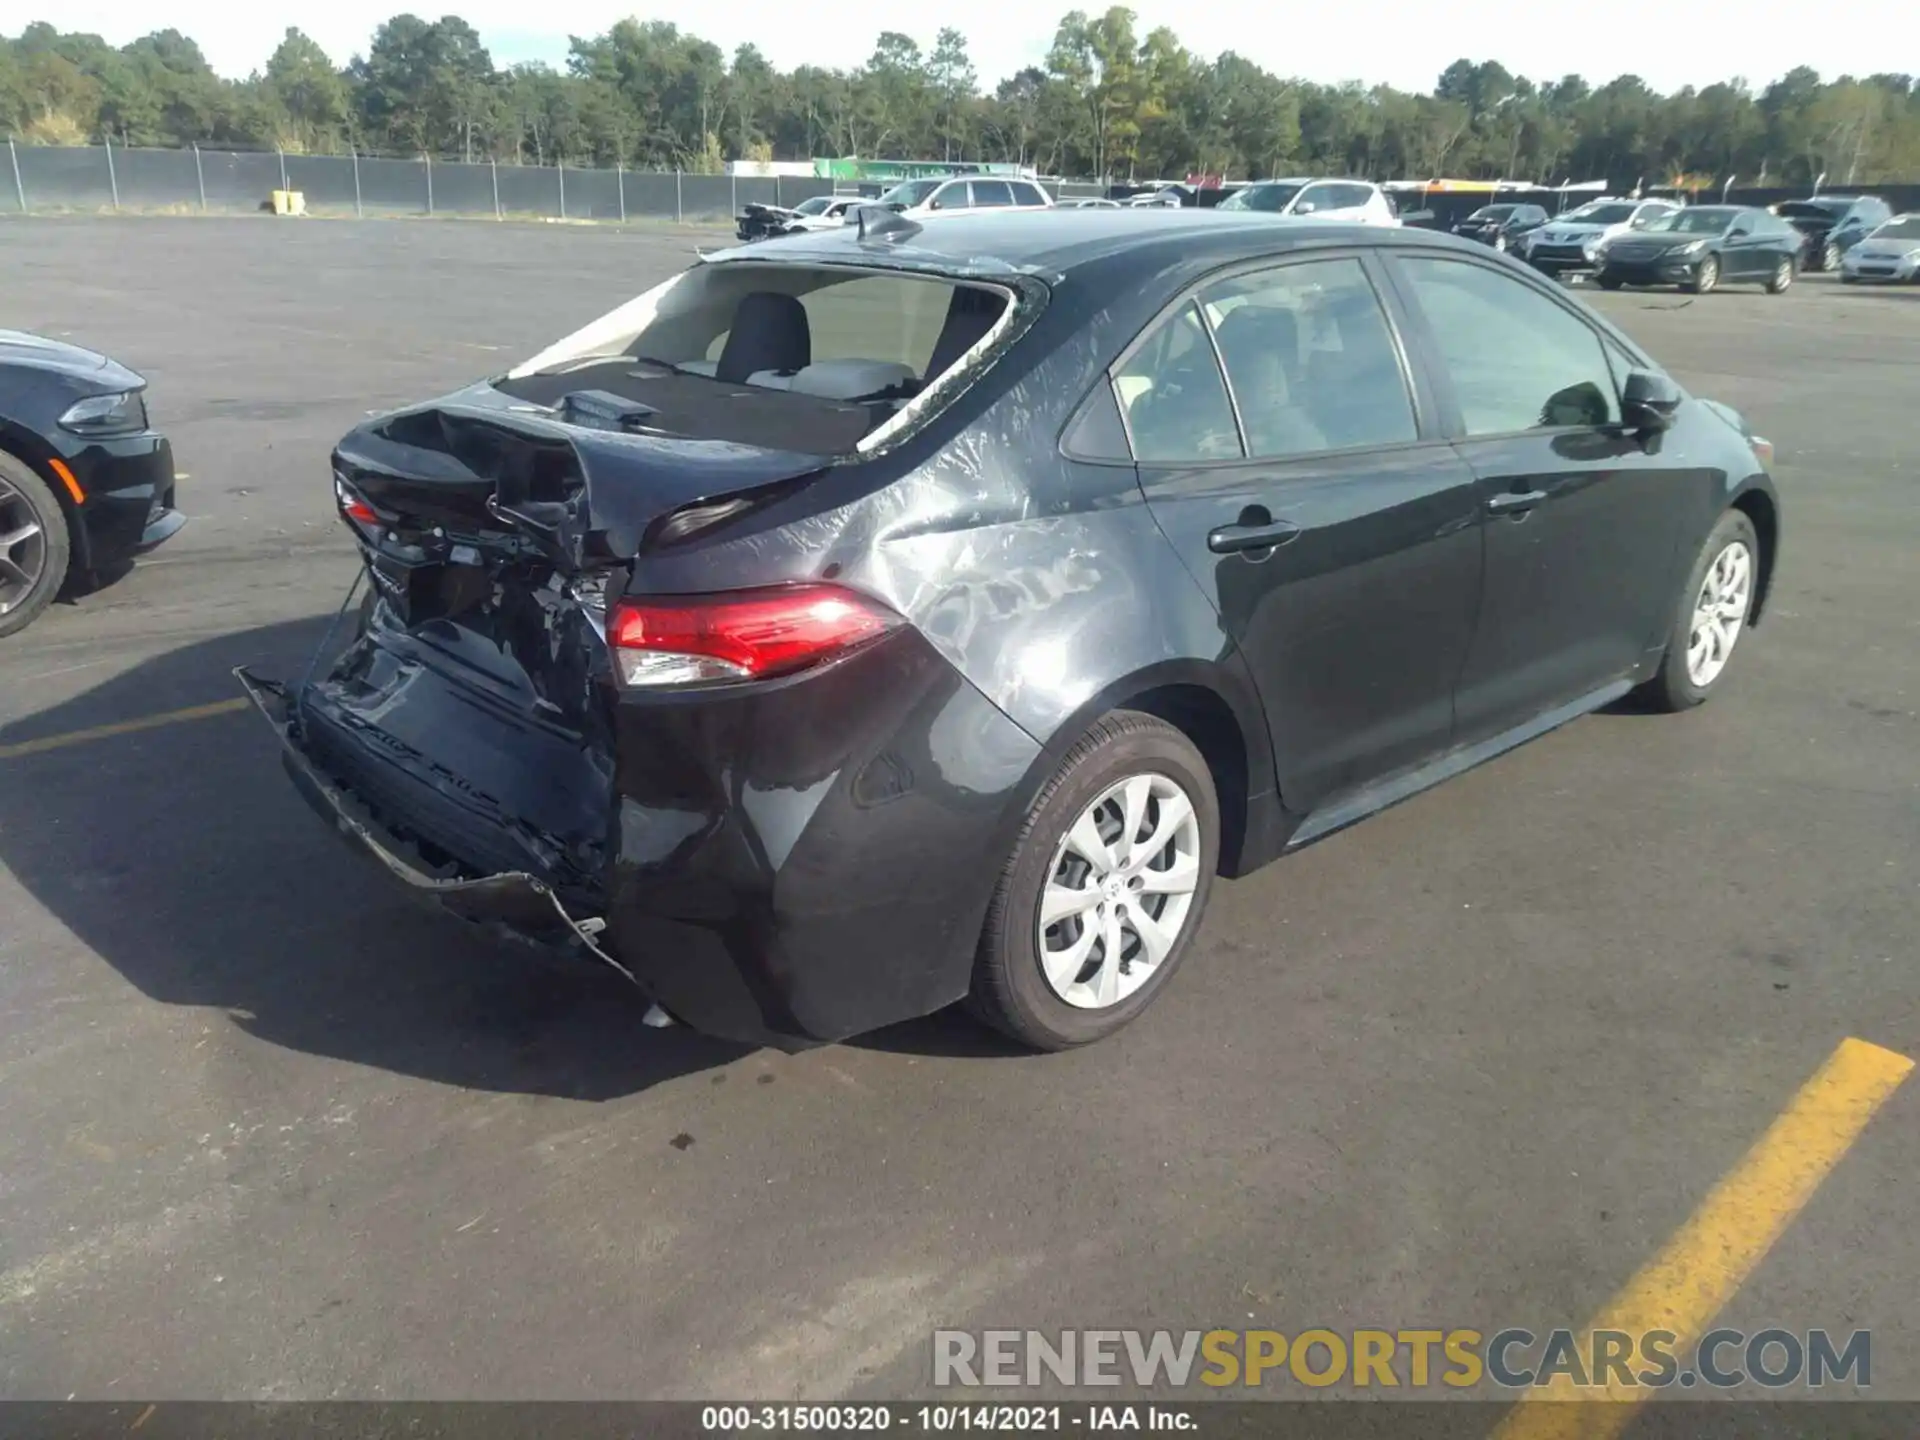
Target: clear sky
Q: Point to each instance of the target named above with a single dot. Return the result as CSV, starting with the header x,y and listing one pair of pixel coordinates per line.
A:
x,y
1401,43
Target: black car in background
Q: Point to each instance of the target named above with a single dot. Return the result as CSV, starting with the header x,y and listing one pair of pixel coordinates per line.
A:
x,y
908,614
1501,226
1702,247
86,483
1831,225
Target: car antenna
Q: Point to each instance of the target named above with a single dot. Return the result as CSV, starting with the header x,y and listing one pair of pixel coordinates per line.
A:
x,y
879,223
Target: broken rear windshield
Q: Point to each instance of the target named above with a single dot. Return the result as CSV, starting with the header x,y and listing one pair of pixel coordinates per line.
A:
x,y
824,359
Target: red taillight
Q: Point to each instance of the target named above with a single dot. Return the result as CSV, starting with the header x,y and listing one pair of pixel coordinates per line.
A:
x,y
353,507
747,635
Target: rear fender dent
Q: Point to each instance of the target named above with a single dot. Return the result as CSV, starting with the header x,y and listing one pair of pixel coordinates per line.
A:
x,y
514,902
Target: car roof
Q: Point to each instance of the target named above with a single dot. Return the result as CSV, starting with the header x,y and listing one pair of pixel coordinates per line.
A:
x,y
982,244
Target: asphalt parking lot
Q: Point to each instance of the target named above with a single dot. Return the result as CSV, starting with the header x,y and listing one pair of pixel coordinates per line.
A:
x,y
267,1132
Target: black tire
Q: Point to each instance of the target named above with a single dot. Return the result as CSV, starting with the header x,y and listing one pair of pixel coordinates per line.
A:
x,y
1608,282
1705,278
1846,279
52,520
1782,278
1010,990
1672,688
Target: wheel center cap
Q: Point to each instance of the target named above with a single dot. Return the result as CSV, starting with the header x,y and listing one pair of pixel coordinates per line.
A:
x,y
1113,888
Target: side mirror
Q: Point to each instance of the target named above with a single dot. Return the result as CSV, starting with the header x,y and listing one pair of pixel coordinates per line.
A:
x,y
1305,207
935,204
1738,232
1648,400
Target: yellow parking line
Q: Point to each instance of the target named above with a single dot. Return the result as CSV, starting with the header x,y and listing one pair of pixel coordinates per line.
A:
x,y
1683,1287
122,727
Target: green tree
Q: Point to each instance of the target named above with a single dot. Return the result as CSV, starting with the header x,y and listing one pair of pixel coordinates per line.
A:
x,y
955,86
1105,102
307,94
427,87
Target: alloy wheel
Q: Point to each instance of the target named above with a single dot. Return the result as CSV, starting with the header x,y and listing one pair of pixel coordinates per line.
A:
x,y
23,547
1782,276
1830,256
1719,613
1709,275
1119,891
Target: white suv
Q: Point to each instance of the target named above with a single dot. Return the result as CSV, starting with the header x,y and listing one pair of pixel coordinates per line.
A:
x,y
920,198
1358,201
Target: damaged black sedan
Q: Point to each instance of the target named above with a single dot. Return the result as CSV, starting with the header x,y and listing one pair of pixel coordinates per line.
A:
x,y
900,615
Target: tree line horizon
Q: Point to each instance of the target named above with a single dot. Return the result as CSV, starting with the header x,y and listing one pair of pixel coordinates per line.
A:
x,y
1107,103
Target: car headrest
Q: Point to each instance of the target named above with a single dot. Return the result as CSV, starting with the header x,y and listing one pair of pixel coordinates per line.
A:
x,y
1251,330
770,332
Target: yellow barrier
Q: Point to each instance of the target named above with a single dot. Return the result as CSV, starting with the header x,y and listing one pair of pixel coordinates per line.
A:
x,y
289,202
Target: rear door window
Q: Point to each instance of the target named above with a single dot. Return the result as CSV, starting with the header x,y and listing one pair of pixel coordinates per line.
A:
x,y
1173,397
1321,197
992,192
1025,194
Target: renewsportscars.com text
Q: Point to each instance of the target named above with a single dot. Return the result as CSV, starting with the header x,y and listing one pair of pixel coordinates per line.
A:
x,y
1511,1359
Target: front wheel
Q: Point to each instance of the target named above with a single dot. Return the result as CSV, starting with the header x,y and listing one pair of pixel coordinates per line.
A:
x,y
1099,902
1609,282
1781,278
1711,616
33,546
1829,256
1500,243
1706,277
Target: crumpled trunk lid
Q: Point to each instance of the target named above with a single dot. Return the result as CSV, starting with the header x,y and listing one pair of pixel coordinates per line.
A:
x,y
471,715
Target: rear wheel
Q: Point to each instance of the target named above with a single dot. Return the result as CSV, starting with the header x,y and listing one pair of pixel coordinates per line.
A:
x,y
33,546
1710,617
1100,900
1706,277
1781,278
1829,256
1609,282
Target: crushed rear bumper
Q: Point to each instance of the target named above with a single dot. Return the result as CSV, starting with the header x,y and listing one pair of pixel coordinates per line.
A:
x,y
514,903
789,864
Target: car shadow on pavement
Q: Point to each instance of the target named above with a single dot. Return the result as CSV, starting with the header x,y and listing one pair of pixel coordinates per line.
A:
x,y
182,856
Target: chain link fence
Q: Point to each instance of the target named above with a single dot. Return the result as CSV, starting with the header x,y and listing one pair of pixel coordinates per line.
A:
x,y
51,179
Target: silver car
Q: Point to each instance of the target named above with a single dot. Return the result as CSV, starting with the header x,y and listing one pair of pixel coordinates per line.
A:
x,y
1889,256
